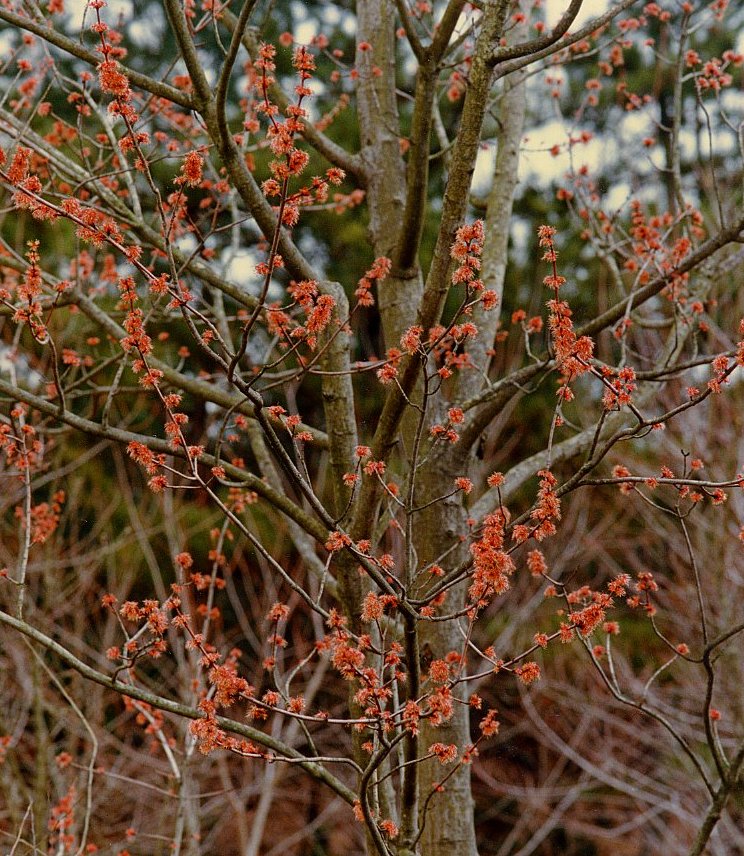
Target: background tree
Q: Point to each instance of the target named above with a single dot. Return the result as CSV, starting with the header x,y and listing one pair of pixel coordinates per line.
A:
x,y
336,456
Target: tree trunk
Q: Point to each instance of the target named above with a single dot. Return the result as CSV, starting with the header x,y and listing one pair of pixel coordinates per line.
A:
x,y
447,817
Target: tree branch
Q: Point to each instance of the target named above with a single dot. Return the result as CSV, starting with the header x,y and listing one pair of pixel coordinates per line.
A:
x,y
532,47
142,81
316,770
276,498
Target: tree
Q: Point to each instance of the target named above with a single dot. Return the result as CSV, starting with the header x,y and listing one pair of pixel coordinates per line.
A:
x,y
307,471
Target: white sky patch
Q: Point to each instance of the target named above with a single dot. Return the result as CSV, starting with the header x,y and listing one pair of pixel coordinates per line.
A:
x,y
110,14
305,32
16,366
635,125
6,363
732,100
617,197
116,8
687,143
318,88
305,29
483,173
348,25
148,34
210,72
332,16
6,41
537,165
241,268
186,244
521,235
540,166
606,154
554,9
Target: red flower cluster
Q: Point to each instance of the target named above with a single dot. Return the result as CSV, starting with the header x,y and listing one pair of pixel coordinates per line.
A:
x,y
45,518
191,170
618,392
572,354
467,250
548,508
379,271
492,565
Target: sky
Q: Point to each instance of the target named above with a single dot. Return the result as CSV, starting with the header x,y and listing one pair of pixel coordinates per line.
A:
x,y
590,9
537,166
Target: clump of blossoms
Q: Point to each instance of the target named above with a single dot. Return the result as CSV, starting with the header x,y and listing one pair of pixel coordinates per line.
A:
x,y
114,82
28,186
445,343
191,170
572,353
29,291
467,250
288,159
44,518
619,389
492,564
318,310
376,274
548,506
